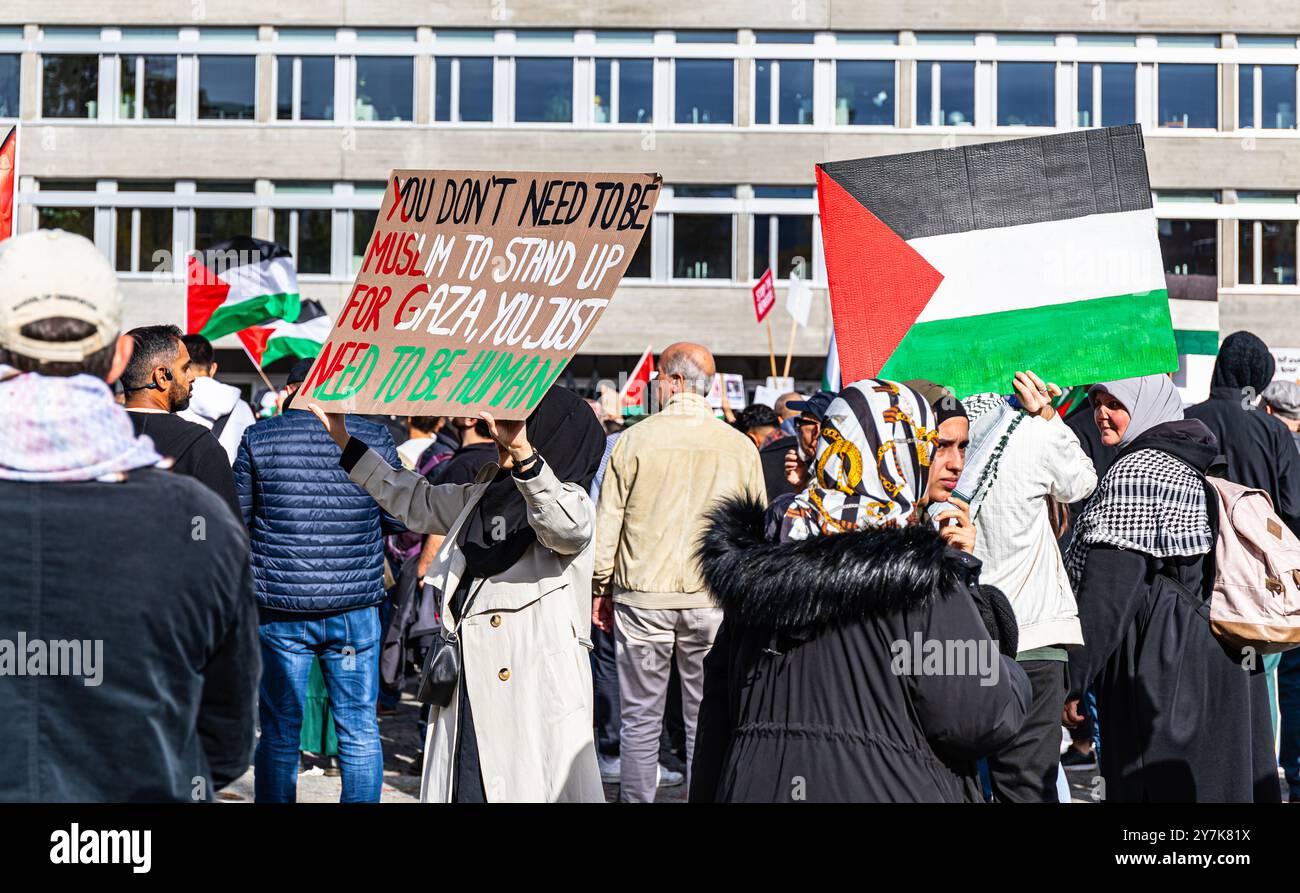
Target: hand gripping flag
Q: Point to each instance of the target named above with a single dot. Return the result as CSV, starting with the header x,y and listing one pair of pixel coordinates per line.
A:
x,y
964,265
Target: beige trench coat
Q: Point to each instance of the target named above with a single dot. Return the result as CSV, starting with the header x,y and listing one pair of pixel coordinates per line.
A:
x,y
524,638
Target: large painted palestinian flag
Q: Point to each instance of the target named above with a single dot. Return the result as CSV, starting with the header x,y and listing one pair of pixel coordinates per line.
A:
x,y
964,265
280,338
239,283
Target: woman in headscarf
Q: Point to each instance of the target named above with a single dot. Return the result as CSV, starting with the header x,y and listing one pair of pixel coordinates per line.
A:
x,y
853,662
1183,718
515,579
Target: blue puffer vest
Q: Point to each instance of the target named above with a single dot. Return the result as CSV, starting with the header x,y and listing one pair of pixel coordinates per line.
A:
x,y
316,538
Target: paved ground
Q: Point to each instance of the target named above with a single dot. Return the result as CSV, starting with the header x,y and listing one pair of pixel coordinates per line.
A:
x,y
399,735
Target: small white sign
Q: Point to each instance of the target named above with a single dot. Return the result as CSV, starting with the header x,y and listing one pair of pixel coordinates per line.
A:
x,y
1288,363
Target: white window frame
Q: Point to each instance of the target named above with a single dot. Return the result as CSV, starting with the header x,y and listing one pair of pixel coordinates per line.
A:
x,y
1257,252
1023,128
453,91
579,110
615,91
1155,100
350,64
835,92
936,84
768,208
194,92
138,73
295,90
774,94
674,124
1256,73
128,205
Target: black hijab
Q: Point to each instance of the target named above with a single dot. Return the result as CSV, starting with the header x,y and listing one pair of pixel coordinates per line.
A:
x,y
1244,362
564,430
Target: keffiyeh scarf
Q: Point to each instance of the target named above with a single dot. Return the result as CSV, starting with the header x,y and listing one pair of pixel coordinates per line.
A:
x,y
65,429
872,462
1149,502
992,423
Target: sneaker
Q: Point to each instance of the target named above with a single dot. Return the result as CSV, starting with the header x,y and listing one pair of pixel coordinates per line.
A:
x,y
610,768
668,778
1078,759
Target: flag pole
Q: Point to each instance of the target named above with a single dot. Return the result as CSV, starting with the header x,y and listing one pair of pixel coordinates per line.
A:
x,y
256,365
771,350
789,351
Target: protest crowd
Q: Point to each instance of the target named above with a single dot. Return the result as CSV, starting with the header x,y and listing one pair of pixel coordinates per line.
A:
x,y
881,593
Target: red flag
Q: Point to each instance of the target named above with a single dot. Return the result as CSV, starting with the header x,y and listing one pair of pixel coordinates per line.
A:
x,y
8,162
764,295
633,400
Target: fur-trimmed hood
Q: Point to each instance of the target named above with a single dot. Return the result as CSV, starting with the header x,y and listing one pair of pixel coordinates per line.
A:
x,y
823,580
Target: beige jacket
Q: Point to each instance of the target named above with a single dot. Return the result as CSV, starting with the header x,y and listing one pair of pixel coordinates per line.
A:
x,y
524,638
663,477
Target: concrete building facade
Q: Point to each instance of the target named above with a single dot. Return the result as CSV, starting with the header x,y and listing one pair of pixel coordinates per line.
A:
x,y
158,127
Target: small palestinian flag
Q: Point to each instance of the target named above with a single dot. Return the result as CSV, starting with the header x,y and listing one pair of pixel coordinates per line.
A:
x,y
239,283
964,265
299,339
635,398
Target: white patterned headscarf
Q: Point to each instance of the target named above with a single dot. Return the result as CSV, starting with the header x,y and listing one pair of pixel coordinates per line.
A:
x,y
872,463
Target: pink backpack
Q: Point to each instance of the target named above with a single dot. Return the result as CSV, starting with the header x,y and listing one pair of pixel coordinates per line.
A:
x,y
1256,600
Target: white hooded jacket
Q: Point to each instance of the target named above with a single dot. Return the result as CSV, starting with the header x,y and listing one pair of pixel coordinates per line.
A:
x,y
209,401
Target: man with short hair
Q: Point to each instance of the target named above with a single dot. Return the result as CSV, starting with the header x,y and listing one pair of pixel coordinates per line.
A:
x,y
761,425
664,475
807,428
1282,401
318,575
785,413
157,383
218,407
104,563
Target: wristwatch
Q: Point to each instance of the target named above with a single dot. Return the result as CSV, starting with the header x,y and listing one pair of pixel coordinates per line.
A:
x,y
526,467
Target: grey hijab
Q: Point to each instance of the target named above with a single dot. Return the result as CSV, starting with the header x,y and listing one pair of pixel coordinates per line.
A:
x,y
1150,401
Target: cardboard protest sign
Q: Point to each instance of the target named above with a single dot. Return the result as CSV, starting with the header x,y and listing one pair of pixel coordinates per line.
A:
x,y
764,295
964,265
477,288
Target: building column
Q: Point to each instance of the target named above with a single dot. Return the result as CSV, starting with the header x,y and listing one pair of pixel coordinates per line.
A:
x,y
745,82
1227,87
1228,261
423,77
29,95
740,261
265,76
906,82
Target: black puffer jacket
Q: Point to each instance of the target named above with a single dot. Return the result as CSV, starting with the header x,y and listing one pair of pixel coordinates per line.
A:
x,y
816,688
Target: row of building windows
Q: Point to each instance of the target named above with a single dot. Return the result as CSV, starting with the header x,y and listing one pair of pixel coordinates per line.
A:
x,y
694,240
623,91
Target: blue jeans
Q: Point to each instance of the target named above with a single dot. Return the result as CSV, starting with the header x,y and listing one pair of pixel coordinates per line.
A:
x,y
1288,701
347,644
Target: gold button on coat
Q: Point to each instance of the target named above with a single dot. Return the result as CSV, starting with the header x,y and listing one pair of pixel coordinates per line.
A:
x,y
495,621
504,674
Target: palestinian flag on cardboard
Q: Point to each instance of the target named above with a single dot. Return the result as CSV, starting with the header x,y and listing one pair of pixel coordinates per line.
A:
x,y
963,265
239,283
299,339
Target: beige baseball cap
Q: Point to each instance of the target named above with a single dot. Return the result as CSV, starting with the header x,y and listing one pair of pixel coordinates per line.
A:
x,y
50,273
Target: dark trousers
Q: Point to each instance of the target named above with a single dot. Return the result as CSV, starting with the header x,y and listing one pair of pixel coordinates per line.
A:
x,y
1025,771
604,678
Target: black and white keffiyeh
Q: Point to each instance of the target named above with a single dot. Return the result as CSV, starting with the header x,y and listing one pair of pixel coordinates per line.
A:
x,y
1149,502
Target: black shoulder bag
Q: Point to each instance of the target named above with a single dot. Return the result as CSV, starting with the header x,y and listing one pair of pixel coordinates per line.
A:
x,y
442,664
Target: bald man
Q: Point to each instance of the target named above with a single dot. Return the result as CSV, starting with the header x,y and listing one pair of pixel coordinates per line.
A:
x,y
663,476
